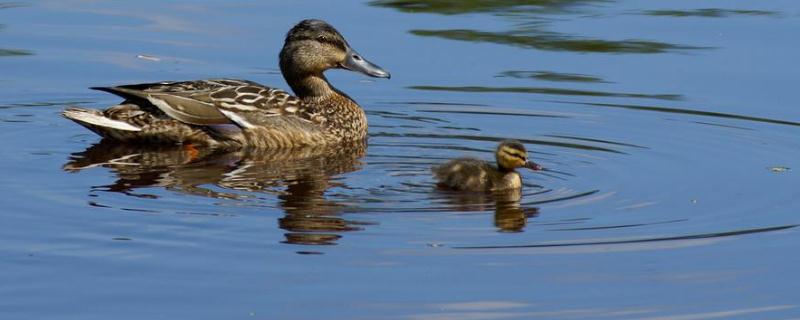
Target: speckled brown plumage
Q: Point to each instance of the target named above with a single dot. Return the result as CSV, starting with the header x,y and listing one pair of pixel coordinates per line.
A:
x,y
229,113
468,174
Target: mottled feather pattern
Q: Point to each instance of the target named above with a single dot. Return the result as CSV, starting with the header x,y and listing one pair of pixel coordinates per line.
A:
x,y
241,97
154,128
468,174
238,113
270,118
257,98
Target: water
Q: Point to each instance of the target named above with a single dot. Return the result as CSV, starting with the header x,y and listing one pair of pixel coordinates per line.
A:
x,y
668,128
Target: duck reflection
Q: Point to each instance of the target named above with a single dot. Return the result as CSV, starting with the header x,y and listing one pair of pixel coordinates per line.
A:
x,y
509,214
299,178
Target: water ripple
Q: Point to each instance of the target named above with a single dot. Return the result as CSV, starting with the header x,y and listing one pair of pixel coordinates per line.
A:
x,y
641,240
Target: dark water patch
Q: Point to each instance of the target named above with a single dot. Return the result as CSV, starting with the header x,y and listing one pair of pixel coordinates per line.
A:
x,y
459,128
494,110
416,157
512,310
9,52
402,164
532,32
14,52
642,240
450,7
555,42
562,198
688,111
403,126
309,252
497,139
548,91
43,104
547,171
558,174
571,221
723,125
710,13
496,113
42,153
97,205
416,118
425,146
620,226
9,5
434,103
550,76
261,70
596,140
403,116
15,120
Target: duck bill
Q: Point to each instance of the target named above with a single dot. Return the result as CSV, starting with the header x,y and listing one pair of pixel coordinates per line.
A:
x,y
533,166
355,62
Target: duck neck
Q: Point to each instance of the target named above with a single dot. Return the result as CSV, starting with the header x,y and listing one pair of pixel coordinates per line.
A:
x,y
504,170
312,86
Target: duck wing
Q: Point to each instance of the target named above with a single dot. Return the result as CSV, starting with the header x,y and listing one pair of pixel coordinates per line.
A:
x,y
216,101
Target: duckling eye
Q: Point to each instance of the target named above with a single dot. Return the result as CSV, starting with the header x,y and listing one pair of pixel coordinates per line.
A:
x,y
321,38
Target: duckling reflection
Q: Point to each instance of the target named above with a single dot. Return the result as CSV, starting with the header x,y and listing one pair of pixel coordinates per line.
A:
x,y
298,177
509,215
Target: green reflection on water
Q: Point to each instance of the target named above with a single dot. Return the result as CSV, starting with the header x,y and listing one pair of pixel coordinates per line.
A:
x,y
477,6
7,5
709,13
691,112
14,52
553,91
530,17
550,76
553,42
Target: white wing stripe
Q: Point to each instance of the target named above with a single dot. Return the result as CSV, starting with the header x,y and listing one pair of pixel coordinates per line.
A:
x,y
238,119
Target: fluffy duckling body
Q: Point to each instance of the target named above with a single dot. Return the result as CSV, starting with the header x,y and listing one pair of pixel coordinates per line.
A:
x,y
468,174
235,113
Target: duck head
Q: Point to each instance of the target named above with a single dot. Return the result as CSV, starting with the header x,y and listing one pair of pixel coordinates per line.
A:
x,y
511,154
313,46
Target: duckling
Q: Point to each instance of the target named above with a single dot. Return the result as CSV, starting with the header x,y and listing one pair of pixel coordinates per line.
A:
x,y
468,174
231,113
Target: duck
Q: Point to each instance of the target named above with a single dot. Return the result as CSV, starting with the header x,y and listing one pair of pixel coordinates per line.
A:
x,y
232,113
470,174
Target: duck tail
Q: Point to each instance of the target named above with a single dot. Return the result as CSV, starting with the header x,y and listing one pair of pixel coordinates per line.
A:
x,y
99,123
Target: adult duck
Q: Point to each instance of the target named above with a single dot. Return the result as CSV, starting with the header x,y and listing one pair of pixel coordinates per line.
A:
x,y
228,113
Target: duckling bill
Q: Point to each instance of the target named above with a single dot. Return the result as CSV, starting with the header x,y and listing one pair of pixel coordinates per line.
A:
x,y
230,113
468,174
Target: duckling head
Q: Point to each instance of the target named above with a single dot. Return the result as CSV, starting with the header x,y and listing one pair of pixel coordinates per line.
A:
x,y
313,46
511,154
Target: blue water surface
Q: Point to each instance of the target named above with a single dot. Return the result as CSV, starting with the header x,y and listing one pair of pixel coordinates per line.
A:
x,y
669,129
